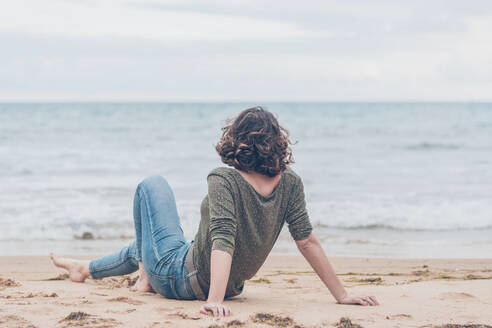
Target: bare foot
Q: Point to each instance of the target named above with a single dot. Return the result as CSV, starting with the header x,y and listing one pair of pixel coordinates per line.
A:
x,y
142,286
78,270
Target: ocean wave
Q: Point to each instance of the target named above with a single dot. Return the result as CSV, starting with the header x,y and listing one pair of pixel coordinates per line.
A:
x,y
398,228
433,146
106,214
403,213
124,230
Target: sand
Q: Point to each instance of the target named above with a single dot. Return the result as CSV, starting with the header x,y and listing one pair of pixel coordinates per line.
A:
x,y
285,293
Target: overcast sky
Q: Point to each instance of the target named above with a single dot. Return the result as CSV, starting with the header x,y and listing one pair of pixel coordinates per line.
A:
x,y
157,50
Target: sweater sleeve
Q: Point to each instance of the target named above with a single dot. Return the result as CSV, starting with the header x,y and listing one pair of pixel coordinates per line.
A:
x,y
297,216
223,224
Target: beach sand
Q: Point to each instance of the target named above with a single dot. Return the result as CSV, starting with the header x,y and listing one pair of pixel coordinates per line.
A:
x,y
284,293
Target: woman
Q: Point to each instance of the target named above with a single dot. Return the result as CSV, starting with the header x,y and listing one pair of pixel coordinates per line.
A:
x,y
241,218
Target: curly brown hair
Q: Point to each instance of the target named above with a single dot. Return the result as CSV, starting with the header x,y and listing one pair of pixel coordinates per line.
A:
x,y
254,141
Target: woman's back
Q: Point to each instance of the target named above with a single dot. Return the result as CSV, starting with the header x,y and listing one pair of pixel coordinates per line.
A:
x,y
263,184
237,219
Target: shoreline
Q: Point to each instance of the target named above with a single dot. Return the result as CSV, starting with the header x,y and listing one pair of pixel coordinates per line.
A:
x,y
412,293
349,248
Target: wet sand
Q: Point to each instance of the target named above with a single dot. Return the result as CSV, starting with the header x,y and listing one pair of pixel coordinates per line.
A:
x,y
285,293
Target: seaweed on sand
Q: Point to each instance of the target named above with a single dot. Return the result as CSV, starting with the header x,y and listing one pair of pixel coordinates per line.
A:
x,y
346,323
273,320
376,280
81,319
261,280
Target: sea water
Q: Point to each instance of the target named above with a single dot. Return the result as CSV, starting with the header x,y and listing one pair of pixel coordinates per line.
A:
x,y
381,179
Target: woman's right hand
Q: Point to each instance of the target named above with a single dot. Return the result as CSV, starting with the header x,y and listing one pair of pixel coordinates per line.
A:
x,y
217,309
359,300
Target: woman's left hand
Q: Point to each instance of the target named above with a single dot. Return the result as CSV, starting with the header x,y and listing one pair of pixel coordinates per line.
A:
x,y
359,300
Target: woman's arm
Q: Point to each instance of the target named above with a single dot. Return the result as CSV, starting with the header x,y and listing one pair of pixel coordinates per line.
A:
x,y
220,267
222,233
314,254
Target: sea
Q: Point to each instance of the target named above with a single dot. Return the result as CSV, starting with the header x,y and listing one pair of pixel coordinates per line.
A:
x,y
392,180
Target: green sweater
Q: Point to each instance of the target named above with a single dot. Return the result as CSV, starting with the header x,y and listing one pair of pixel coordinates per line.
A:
x,y
236,219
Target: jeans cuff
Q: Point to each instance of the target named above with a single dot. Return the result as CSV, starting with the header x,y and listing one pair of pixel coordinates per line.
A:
x,y
91,270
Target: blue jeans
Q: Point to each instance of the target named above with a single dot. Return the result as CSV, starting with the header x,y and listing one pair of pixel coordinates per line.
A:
x,y
160,244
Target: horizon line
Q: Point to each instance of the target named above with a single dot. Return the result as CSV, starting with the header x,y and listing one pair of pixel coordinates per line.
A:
x,y
59,101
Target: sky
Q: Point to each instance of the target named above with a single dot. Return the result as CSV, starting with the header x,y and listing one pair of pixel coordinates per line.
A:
x,y
157,50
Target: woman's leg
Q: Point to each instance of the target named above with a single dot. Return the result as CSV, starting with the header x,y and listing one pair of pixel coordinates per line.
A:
x,y
157,227
158,234
157,230
117,264
157,224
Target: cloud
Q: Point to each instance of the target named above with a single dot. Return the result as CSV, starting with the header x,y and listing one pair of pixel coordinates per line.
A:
x,y
116,19
246,50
